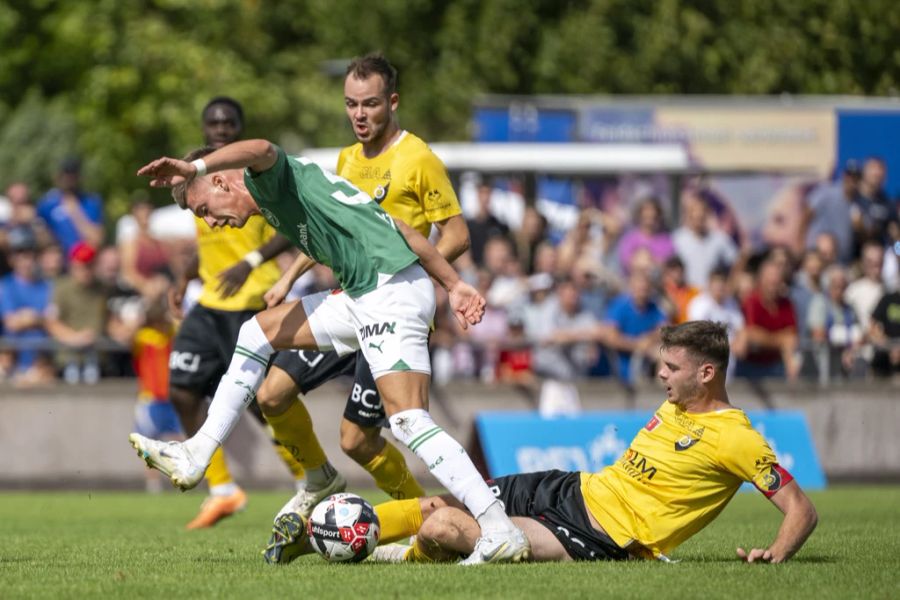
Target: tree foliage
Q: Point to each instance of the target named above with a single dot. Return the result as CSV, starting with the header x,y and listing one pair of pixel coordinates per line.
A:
x,y
122,82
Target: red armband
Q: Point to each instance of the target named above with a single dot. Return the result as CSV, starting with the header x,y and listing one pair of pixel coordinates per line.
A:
x,y
769,482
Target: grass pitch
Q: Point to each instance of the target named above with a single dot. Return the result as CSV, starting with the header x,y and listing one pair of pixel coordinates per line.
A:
x,y
128,545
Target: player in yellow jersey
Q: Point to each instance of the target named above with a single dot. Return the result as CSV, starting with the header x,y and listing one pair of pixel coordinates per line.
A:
x,y
400,172
677,475
236,272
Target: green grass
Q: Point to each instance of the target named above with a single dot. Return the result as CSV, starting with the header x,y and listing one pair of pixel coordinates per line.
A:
x,y
75,545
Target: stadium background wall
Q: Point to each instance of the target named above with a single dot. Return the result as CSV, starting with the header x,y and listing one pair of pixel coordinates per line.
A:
x,y
76,437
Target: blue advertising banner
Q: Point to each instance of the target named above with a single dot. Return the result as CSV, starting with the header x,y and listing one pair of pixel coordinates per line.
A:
x,y
517,442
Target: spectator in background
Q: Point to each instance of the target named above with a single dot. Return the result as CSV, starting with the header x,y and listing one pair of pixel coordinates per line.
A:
x,y
71,214
890,268
487,338
484,225
806,284
871,208
828,210
678,293
701,248
51,262
884,332
24,297
76,316
832,323
717,304
124,310
771,328
143,256
561,355
633,321
864,293
509,287
648,233
530,238
594,238
827,245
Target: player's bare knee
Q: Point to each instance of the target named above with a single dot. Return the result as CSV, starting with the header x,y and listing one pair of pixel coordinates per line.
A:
x,y
362,444
275,395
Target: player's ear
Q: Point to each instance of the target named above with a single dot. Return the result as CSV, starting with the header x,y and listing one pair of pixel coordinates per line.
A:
x,y
707,372
219,181
394,101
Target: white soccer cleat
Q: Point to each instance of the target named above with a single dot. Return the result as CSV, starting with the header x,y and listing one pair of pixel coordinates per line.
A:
x,y
170,458
505,547
390,553
306,500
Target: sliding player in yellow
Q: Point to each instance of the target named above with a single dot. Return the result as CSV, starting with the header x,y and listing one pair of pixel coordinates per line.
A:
x,y
403,175
677,475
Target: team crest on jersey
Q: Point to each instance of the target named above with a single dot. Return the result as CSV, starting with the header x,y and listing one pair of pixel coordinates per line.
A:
x,y
653,423
381,193
270,217
685,442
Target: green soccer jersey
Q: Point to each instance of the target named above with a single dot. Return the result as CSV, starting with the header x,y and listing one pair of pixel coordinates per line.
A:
x,y
331,221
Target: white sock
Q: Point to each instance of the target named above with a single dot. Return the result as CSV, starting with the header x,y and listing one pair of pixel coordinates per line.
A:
x,y
236,389
450,464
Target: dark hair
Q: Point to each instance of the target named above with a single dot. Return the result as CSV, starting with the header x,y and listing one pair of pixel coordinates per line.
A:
x,y
224,100
375,63
179,191
706,341
674,262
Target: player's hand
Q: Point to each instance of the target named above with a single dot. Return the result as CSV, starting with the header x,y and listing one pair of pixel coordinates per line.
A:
x,y
466,303
176,298
277,293
168,172
232,279
757,555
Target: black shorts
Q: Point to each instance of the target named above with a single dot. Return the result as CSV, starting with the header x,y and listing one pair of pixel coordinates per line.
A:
x,y
310,369
203,348
553,499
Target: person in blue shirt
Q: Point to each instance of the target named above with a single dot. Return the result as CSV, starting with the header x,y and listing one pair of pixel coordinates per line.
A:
x,y
633,320
24,297
71,214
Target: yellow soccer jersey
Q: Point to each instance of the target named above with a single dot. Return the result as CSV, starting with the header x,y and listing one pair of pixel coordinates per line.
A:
x,y
220,248
678,474
407,180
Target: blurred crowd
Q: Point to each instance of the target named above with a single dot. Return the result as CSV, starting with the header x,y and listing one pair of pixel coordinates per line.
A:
x,y
562,305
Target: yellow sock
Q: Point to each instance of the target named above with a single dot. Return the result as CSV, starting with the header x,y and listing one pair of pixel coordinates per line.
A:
x,y
417,554
217,472
292,463
398,519
392,475
293,429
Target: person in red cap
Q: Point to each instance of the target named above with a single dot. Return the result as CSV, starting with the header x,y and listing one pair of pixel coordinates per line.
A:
x,y
76,316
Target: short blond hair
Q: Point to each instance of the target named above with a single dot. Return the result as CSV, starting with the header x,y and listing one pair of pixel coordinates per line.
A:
x,y
179,191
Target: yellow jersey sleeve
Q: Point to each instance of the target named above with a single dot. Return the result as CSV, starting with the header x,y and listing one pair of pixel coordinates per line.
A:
x,y
746,454
430,183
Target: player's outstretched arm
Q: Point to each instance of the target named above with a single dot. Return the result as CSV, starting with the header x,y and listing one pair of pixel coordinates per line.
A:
x,y
257,155
466,302
232,279
279,291
800,519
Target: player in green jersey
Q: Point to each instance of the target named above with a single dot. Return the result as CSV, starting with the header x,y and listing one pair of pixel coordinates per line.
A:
x,y
384,309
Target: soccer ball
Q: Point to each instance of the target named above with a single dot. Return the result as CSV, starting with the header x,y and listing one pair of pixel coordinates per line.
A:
x,y
343,528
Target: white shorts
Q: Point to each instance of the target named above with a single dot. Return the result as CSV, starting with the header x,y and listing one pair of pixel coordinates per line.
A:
x,y
390,324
